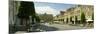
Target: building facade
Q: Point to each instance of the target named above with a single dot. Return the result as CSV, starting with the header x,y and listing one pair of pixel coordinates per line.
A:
x,y
13,11
72,15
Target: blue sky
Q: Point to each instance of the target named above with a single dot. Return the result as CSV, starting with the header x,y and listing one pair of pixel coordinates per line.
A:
x,y
55,8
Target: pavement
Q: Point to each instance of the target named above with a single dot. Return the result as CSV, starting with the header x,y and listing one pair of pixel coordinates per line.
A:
x,y
65,26
55,27
20,32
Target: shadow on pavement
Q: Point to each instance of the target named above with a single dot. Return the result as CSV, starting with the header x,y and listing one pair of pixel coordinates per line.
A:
x,y
42,27
47,28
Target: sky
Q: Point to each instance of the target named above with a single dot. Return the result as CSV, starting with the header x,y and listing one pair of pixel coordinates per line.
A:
x,y
51,8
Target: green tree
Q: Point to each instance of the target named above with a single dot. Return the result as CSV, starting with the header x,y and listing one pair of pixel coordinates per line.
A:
x,y
83,20
70,18
27,9
46,17
75,19
92,16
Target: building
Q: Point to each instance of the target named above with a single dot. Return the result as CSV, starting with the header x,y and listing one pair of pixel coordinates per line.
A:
x,y
72,14
13,11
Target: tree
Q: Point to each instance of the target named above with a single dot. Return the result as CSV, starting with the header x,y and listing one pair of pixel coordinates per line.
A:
x,y
66,20
92,16
46,17
37,19
26,9
83,20
75,19
71,20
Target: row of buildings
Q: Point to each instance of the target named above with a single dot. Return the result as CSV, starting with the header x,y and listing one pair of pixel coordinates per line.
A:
x,y
72,14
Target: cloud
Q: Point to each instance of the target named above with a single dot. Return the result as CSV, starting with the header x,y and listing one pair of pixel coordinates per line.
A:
x,y
46,9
